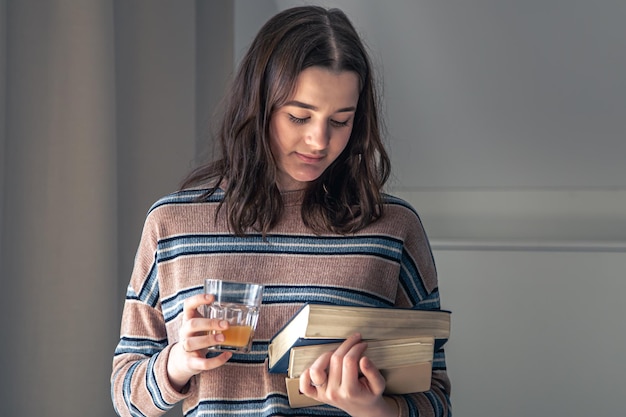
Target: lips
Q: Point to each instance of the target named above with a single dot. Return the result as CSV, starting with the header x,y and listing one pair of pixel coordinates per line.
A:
x,y
310,159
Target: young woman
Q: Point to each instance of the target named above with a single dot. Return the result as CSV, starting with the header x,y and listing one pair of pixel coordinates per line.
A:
x,y
295,202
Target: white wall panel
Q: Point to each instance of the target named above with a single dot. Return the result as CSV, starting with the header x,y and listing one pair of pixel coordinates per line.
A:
x,y
535,333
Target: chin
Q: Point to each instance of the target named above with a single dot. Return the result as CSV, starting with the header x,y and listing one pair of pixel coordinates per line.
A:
x,y
305,176
305,179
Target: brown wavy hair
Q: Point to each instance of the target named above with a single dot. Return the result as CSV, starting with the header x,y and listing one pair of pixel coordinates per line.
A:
x,y
347,196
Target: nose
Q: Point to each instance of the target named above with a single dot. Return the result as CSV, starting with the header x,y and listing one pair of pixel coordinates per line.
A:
x,y
318,136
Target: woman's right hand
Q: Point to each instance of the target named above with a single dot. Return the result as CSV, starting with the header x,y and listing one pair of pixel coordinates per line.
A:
x,y
188,356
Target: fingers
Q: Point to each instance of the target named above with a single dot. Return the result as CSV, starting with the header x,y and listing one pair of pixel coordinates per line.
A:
x,y
318,369
306,385
182,365
200,326
345,378
205,337
315,376
197,333
332,370
344,362
191,305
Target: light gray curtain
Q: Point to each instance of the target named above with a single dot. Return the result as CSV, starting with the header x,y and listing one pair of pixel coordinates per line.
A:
x,y
104,106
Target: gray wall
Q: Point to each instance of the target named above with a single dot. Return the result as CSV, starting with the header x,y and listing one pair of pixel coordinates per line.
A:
x,y
3,68
105,106
59,242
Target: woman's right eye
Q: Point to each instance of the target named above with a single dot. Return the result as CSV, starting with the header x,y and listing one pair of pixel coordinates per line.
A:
x,y
297,120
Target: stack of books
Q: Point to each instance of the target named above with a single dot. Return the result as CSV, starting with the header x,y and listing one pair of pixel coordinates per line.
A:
x,y
400,343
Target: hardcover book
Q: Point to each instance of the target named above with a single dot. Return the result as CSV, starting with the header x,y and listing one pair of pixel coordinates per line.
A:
x,y
316,324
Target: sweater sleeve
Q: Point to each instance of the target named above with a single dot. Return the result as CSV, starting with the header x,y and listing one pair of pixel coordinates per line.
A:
x,y
418,288
139,382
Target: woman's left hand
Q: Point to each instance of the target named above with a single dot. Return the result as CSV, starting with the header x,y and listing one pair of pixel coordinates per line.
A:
x,y
348,380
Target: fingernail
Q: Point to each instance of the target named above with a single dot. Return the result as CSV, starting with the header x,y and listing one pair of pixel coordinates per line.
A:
x,y
223,324
219,337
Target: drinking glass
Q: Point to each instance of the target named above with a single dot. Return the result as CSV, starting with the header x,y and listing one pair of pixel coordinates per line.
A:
x,y
238,303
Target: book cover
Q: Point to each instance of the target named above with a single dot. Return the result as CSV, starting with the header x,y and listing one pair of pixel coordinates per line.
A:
x,y
325,323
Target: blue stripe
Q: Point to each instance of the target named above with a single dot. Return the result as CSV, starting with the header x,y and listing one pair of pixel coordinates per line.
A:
x,y
131,294
187,197
411,280
285,294
149,293
256,356
432,302
273,405
134,411
439,360
435,402
413,411
173,306
389,199
141,346
449,404
192,196
113,380
153,387
378,246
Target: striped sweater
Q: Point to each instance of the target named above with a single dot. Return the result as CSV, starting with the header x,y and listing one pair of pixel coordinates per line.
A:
x,y
389,263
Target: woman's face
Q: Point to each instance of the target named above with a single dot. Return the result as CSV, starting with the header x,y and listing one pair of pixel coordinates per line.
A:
x,y
312,129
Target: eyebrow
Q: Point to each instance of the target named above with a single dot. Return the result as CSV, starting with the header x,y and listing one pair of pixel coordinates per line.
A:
x,y
297,103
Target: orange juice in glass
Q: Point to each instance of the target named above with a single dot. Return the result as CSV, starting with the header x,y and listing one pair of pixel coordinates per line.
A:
x,y
238,303
238,336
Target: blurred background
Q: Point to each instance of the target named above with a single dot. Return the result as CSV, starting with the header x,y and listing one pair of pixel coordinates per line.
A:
x,y
506,124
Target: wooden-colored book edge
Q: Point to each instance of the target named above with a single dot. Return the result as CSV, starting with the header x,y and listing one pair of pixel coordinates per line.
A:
x,y
389,353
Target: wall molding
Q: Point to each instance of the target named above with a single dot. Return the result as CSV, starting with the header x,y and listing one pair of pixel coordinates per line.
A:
x,y
528,246
542,218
